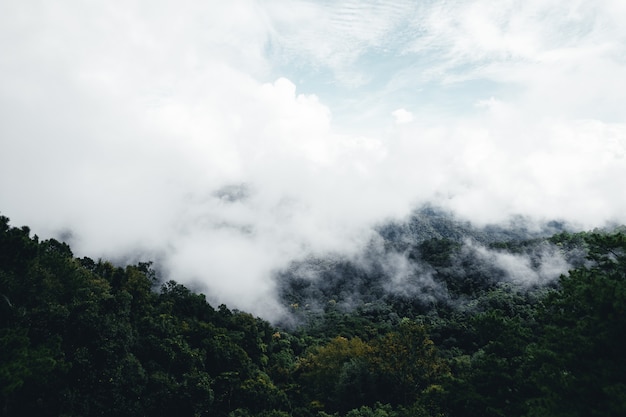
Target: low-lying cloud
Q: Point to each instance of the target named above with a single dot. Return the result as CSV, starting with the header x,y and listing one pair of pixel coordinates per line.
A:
x,y
204,137
543,266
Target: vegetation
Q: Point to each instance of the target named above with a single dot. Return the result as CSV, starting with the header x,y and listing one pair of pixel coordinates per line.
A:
x,y
80,337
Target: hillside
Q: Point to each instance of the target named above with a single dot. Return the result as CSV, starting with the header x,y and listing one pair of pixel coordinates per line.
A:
x,y
431,264
434,318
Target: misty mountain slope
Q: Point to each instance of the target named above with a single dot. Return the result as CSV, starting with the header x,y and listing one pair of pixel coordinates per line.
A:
x,y
430,262
85,337
430,222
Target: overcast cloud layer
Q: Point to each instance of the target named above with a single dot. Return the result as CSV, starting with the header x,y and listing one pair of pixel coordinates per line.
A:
x,y
227,138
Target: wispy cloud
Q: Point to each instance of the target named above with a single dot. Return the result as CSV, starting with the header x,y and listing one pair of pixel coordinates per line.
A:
x,y
524,269
336,34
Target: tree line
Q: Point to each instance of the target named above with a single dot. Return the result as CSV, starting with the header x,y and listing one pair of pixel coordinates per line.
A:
x,y
80,337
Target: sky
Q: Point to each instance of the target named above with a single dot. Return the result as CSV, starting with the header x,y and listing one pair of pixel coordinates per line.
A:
x,y
226,139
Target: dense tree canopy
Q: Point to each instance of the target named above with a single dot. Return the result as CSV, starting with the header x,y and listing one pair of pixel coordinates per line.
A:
x,y
84,337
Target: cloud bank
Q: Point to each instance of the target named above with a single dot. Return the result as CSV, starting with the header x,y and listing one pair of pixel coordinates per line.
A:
x,y
225,140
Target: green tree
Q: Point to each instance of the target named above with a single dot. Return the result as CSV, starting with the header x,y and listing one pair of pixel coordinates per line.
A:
x,y
408,364
579,362
328,370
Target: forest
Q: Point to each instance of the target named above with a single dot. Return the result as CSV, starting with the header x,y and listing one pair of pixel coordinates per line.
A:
x,y
434,318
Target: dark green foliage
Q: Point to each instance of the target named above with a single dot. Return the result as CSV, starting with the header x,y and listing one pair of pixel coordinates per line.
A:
x,y
88,338
579,359
84,337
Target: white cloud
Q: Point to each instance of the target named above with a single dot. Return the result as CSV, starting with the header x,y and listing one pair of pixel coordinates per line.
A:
x,y
548,264
122,122
402,116
335,34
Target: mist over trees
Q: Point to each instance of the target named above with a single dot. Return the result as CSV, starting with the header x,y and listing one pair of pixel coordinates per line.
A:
x,y
434,318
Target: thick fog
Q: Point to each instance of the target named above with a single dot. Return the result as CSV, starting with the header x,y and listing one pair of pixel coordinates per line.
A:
x,y
224,140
